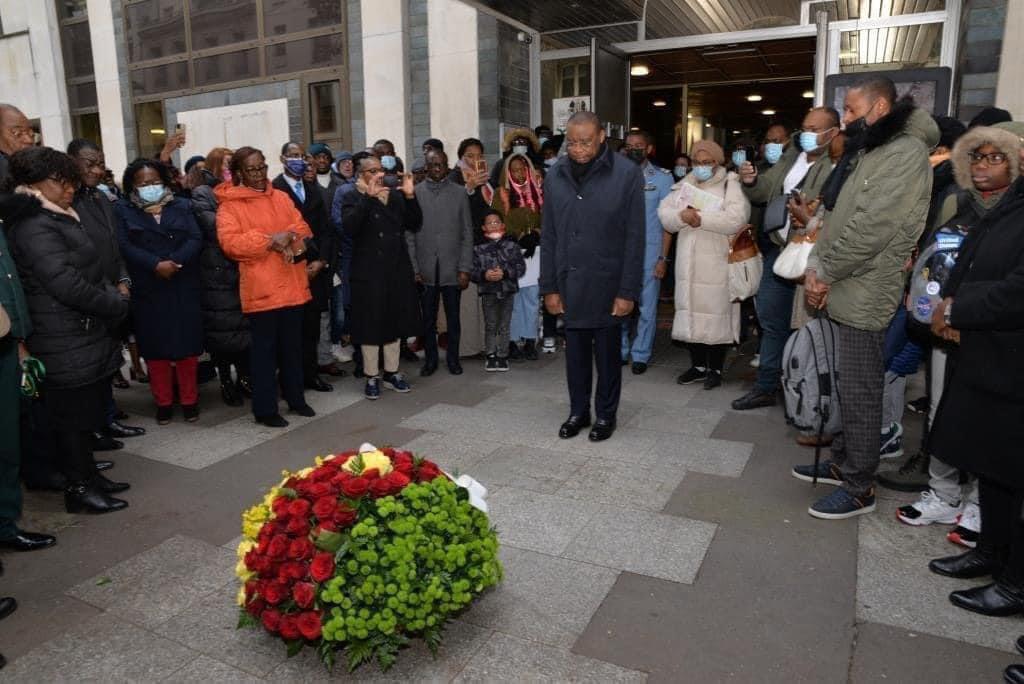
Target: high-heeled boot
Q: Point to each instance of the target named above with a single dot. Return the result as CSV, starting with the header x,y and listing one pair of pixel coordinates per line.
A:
x,y
86,497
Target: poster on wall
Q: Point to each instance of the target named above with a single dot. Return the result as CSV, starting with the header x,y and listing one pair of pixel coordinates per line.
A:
x,y
564,107
929,87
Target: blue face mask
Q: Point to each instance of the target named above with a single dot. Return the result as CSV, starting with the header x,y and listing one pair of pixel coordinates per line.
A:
x,y
296,167
739,158
105,189
703,173
773,152
679,171
809,141
388,162
151,193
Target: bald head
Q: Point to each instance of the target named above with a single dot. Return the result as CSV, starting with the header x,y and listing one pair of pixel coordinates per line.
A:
x,y
16,133
584,136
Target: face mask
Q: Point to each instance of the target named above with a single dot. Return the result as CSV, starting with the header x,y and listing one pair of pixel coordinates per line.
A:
x,y
703,173
105,189
637,154
739,158
519,149
679,171
809,141
495,235
542,141
296,167
773,152
226,175
550,162
151,193
388,162
857,128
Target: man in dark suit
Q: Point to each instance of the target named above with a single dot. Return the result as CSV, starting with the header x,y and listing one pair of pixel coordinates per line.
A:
x,y
321,251
591,265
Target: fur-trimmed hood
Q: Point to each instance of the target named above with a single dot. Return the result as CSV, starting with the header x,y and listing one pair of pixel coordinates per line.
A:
x,y
905,118
506,142
1003,140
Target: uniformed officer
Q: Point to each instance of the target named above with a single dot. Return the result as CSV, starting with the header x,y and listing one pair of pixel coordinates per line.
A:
x,y
657,186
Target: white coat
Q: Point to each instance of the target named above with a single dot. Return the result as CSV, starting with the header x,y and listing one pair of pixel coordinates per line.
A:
x,y
704,311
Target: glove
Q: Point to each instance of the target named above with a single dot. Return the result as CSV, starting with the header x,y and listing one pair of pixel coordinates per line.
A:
x,y
33,372
528,243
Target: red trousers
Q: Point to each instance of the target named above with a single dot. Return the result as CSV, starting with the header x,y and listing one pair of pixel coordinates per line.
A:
x,y
162,374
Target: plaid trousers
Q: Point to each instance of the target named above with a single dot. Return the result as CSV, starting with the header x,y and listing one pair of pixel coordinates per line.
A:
x,y
860,379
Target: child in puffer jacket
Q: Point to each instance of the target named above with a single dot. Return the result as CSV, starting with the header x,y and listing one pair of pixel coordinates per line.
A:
x,y
497,267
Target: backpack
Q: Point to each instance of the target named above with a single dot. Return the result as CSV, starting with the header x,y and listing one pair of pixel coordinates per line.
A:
x,y
809,378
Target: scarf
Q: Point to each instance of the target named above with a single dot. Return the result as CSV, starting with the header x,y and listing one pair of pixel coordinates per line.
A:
x,y
527,194
152,207
47,204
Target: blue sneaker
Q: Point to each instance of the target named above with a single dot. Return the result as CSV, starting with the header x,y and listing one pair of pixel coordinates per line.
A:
x,y
395,382
842,504
372,391
828,473
892,442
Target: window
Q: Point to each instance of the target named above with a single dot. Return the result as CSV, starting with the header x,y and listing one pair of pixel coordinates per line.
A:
x,y
309,53
71,9
222,22
149,122
325,110
230,66
82,95
155,28
77,49
87,126
289,16
901,47
575,79
160,78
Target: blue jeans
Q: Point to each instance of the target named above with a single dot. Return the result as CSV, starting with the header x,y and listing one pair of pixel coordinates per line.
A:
x,y
646,324
774,303
337,313
524,313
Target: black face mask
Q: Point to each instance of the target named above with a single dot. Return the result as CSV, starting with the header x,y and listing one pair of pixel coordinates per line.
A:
x,y
637,154
856,129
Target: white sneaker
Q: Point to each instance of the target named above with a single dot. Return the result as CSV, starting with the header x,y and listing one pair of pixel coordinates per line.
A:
x,y
756,361
968,529
549,345
341,354
927,510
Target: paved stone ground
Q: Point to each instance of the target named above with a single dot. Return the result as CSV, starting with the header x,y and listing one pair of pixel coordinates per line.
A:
x,y
680,550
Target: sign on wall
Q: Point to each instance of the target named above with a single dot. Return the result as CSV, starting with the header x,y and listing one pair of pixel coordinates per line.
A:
x,y
564,107
259,124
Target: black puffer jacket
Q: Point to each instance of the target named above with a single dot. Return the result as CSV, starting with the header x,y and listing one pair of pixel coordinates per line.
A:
x,y
73,307
225,328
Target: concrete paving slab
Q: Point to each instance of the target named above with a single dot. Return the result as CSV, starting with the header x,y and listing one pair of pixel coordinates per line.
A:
x,y
538,522
671,419
456,454
539,470
542,598
507,659
700,455
204,669
161,582
623,482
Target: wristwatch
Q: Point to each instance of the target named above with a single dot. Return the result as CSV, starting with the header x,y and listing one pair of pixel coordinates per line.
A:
x,y
947,314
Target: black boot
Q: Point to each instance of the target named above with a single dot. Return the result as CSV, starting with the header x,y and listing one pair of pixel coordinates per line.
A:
x,y
513,352
245,386
999,599
975,563
86,497
229,392
108,486
530,350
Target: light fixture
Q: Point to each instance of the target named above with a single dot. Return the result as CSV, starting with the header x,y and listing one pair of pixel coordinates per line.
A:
x,y
689,116
707,125
808,94
634,128
730,51
736,132
754,98
639,70
659,103
769,112
157,131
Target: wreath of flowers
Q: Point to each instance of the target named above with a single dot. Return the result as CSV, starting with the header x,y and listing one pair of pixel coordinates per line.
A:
x,y
362,552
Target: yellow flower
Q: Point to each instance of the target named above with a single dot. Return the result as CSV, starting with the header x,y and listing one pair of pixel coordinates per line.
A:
x,y
240,599
242,572
253,519
371,459
245,547
304,472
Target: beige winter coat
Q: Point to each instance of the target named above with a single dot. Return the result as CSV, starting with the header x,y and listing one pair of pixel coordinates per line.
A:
x,y
704,310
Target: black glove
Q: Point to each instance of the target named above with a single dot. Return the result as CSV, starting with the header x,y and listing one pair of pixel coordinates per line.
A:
x,y
528,243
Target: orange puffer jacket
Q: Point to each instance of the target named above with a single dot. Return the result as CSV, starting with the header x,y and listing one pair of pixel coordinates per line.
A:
x,y
246,219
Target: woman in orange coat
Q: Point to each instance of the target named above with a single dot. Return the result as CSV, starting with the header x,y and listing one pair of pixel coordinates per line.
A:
x,y
260,228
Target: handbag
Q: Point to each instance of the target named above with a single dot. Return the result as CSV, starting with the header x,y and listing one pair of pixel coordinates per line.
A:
x,y
792,260
745,265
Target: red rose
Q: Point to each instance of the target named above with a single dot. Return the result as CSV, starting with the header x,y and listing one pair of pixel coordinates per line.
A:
x,y
252,559
345,455
289,627
256,607
355,487
309,624
278,547
293,570
271,619
371,473
397,481
379,488
344,516
325,526
300,549
297,527
299,508
303,593
322,567
428,471
325,472
319,490
280,506
388,451
403,462
274,592
324,507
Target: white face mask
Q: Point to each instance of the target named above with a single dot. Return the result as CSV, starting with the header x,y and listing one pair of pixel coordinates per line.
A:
x,y
519,149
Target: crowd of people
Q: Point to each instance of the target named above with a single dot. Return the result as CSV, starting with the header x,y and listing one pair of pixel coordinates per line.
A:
x,y
349,258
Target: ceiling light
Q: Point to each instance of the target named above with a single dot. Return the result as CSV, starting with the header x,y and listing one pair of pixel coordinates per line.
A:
x,y
689,116
634,128
659,103
754,98
808,94
707,125
735,132
639,70
157,131
769,112
732,51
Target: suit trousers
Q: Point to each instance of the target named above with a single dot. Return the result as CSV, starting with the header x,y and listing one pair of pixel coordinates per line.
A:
x,y
310,341
276,346
1002,530
10,446
585,348
429,300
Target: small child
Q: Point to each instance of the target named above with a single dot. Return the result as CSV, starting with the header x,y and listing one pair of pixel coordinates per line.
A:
x,y
497,267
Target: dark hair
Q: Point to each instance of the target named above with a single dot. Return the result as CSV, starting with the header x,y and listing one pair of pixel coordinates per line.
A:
x,y
383,141
240,155
491,212
467,143
79,144
875,87
34,164
193,160
358,157
284,148
164,171
648,140
990,116
433,142
831,113
950,130
684,156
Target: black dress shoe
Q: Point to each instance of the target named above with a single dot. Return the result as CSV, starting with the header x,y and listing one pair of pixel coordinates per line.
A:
x,y
1020,645
455,368
572,427
244,385
602,430
121,415
974,563
318,385
108,486
7,606
119,431
333,370
230,393
28,541
306,411
1014,674
86,497
995,600
639,368
56,482
428,369
101,442
100,465
273,420
753,399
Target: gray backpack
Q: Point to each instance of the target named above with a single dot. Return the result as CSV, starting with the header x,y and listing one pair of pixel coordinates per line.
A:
x,y
809,379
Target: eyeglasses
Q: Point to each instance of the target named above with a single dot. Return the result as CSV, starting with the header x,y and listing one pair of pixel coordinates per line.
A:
x,y
993,158
580,143
22,131
493,222
255,170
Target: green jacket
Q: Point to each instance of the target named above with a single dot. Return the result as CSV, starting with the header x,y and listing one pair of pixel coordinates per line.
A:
x,y
768,186
11,295
877,218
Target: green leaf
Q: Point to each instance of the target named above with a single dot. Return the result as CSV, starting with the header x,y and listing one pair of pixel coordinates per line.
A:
x,y
386,659
103,580
433,636
330,541
342,550
294,646
287,491
246,620
358,652
326,652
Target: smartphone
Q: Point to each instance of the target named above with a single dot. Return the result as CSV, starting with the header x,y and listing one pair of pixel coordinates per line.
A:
x,y
481,165
795,194
179,129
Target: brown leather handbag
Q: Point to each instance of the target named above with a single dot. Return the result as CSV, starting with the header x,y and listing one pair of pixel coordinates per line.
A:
x,y
745,265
